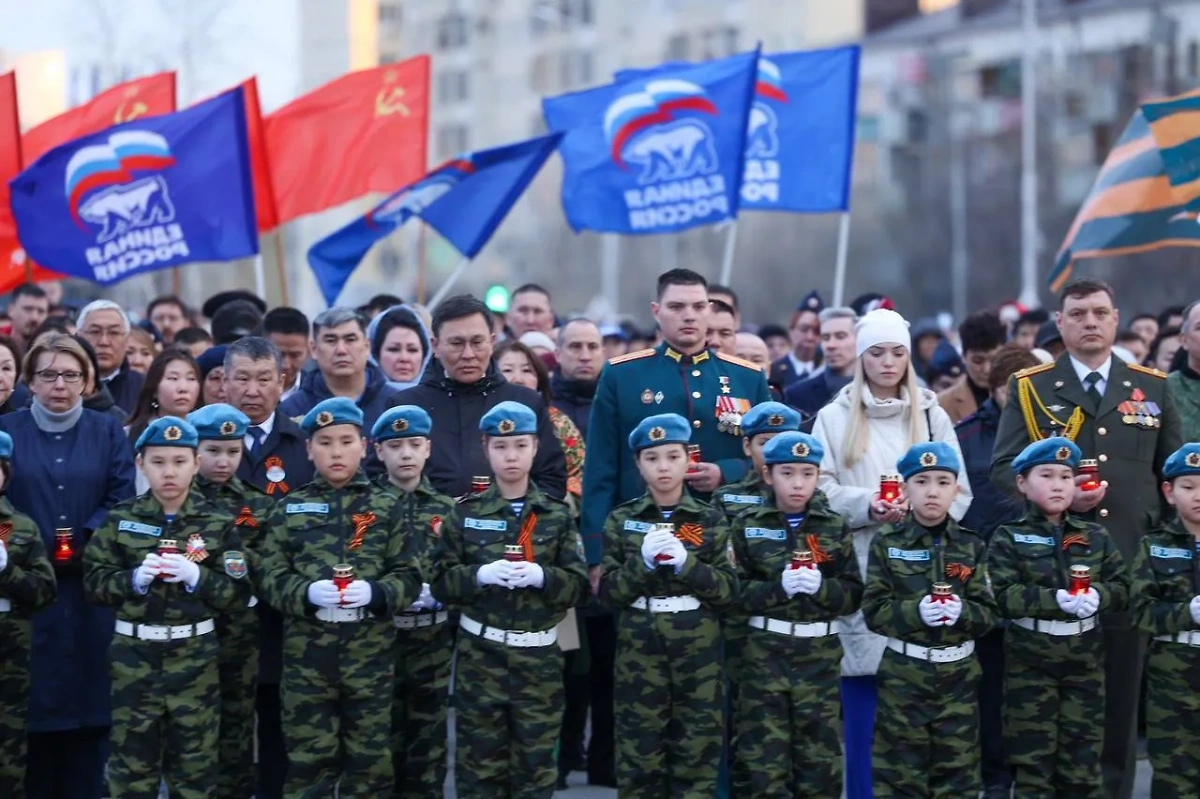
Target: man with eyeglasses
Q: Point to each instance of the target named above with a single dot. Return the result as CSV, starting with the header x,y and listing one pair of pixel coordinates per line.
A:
x,y
459,386
104,324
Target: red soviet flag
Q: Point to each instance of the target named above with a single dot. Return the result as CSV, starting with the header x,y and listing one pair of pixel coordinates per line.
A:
x,y
264,195
361,133
10,165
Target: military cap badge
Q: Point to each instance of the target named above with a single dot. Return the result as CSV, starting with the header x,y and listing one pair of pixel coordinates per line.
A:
x,y
228,428
1193,460
775,420
657,433
324,419
929,460
400,425
506,426
800,449
172,433
1063,454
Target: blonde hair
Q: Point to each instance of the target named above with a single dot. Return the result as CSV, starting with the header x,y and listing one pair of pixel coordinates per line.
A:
x,y
56,344
858,431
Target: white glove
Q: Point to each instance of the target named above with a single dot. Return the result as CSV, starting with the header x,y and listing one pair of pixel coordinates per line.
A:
x,y
144,575
1089,603
932,612
498,572
3,556
1067,601
677,554
178,569
952,610
357,594
1194,607
654,544
801,581
424,602
528,575
324,594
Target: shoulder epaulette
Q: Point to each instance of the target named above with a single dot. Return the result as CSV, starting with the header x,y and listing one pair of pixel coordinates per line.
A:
x,y
632,356
1147,370
739,361
1034,370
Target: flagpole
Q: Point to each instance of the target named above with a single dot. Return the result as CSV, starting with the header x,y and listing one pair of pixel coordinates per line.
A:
x,y
279,265
175,281
260,280
730,246
450,281
843,253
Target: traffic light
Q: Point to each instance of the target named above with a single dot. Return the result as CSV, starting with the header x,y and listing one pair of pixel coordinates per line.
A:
x,y
496,299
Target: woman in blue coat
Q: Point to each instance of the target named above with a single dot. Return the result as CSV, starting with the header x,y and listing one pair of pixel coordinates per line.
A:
x,y
69,467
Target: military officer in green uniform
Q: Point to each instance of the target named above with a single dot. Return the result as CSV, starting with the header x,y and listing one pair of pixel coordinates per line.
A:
x,y
1122,416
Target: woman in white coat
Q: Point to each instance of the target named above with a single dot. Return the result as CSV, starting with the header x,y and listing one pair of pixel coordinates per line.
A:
x,y
865,430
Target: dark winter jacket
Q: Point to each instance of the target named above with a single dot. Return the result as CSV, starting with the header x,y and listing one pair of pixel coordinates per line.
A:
x,y
125,386
991,506
103,402
574,398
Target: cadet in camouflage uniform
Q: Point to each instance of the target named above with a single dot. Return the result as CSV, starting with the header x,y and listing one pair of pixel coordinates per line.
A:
x,y
927,719
670,590
165,685
508,676
1054,655
424,639
1166,604
788,707
221,429
339,642
26,585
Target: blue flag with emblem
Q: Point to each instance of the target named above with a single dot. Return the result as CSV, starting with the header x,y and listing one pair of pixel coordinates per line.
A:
x,y
148,194
800,132
657,153
464,200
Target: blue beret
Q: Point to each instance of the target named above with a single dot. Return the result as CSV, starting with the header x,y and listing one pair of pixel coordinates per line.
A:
x,y
811,302
945,361
655,431
167,431
403,421
509,418
210,359
333,411
1049,450
927,457
792,446
6,446
219,422
1183,461
769,417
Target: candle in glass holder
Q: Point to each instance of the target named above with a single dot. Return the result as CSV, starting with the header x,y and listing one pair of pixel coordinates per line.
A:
x,y
64,544
802,559
168,546
670,528
941,592
1081,579
693,456
343,575
480,483
1089,468
889,487
514,553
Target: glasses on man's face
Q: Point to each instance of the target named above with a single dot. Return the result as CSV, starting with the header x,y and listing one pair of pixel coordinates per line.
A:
x,y
477,344
100,333
49,376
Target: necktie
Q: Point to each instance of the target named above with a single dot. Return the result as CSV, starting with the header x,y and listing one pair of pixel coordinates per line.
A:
x,y
259,436
1092,379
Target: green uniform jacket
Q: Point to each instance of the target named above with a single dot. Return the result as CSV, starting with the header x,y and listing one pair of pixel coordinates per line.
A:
x,y
1131,455
650,382
741,495
317,527
419,515
132,531
1027,564
1185,392
476,533
28,579
708,573
763,545
904,562
1166,575
250,509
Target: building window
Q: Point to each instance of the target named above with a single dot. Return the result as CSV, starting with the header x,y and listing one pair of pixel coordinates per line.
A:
x,y
719,42
390,13
453,86
452,32
548,15
677,48
539,74
451,141
575,69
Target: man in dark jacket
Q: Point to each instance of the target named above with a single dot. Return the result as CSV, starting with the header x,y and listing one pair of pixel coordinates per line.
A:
x,y
104,324
580,358
459,387
837,343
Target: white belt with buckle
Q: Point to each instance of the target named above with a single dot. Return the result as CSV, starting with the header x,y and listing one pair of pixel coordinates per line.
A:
x,y
1057,627
666,604
1190,638
940,654
796,629
5,605
340,615
416,620
524,640
160,632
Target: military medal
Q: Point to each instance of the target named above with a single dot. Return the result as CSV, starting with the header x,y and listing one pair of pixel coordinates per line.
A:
x,y
276,475
658,398
63,544
196,549
729,414
724,380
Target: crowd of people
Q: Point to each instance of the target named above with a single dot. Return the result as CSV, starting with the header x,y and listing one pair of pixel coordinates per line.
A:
x,y
240,549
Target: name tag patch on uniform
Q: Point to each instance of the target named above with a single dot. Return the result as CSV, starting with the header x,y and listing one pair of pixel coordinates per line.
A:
x,y
1019,538
140,529
307,507
638,527
1170,552
742,499
485,524
762,532
908,554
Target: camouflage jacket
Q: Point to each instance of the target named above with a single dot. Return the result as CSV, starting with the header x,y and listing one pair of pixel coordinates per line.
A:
x,y
476,532
317,527
419,516
250,509
28,579
904,563
1028,561
133,530
763,545
1166,575
708,573
739,496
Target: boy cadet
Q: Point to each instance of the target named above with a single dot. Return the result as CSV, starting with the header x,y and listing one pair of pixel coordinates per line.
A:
x,y
424,641
670,589
220,429
761,424
339,637
1166,602
926,592
511,560
164,562
788,707
27,584
1054,660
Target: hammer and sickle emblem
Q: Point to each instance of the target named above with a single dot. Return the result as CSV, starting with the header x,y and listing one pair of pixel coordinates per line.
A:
x,y
390,99
128,112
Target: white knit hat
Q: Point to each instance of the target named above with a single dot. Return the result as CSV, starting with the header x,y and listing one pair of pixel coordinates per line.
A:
x,y
882,326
